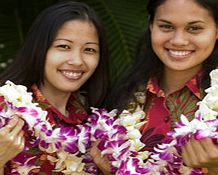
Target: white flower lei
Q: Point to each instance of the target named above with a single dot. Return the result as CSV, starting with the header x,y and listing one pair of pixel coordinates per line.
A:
x,y
119,137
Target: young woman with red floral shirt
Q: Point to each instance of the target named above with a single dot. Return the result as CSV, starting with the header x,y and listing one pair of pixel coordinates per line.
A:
x,y
175,57
63,62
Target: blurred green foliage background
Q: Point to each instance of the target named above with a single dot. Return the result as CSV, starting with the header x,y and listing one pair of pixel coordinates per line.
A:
x,y
124,22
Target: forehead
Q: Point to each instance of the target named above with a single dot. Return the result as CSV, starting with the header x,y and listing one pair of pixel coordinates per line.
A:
x,y
78,29
188,10
77,24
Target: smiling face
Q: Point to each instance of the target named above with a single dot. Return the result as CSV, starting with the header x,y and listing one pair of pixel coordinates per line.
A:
x,y
183,35
72,58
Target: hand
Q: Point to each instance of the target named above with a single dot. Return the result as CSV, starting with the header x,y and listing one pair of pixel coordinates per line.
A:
x,y
201,153
101,161
11,140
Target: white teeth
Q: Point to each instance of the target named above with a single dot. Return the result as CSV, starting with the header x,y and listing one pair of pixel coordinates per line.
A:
x,y
72,75
179,53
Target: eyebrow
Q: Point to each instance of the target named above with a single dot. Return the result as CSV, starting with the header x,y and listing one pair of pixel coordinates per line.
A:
x,y
72,41
190,23
64,40
92,43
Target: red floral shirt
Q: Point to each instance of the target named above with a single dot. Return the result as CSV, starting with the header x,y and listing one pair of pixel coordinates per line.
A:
x,y
34,159
162,112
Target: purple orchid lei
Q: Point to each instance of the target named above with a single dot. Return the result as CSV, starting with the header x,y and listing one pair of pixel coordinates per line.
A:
x,y
119,135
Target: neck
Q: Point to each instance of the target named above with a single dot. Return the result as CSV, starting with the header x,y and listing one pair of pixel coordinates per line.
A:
x,y
174,80
56,98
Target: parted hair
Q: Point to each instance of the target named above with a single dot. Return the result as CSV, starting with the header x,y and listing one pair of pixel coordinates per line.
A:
x,y
28,66
148,65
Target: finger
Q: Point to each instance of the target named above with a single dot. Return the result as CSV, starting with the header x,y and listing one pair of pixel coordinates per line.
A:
x,y
94,151
211,150
191,155
185,157
11,124
14,148
17,128
209,146
14,119
21,141
200,152
22,146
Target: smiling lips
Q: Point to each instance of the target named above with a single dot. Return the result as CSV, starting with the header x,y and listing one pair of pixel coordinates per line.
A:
x,y
72,75
179,53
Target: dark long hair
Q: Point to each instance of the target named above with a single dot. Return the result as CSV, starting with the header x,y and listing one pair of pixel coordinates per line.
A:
x,y
147,64
28,66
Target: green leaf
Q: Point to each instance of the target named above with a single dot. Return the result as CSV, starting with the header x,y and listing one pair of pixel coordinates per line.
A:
x,y
124,22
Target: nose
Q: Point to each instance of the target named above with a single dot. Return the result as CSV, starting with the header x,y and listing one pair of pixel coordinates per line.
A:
x,y
75,58
179,38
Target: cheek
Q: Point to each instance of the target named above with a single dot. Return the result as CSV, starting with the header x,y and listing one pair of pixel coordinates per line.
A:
x,y
158,39
54,60
92,64
205,41
48,67
157,44
94,67
206,44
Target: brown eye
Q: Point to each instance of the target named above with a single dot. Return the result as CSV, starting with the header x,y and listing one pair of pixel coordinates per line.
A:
x,y
166,27
63,46
90,50
194,29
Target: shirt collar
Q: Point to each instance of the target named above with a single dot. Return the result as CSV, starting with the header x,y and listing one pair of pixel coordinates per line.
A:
x,y
77,112
192,85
